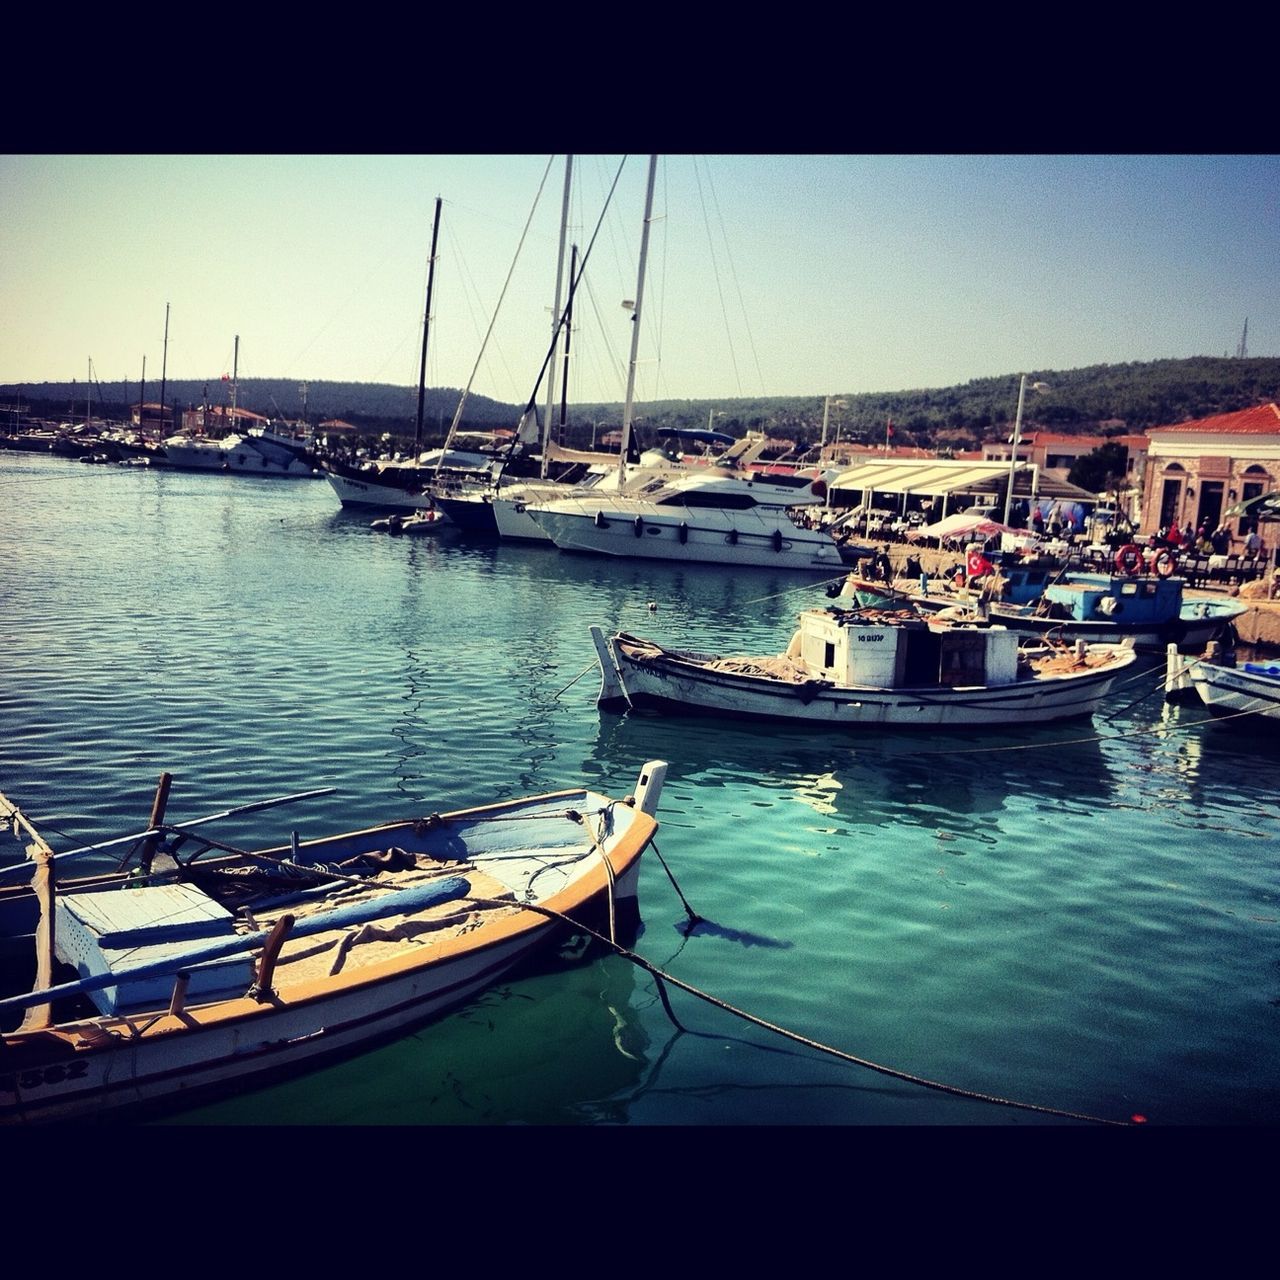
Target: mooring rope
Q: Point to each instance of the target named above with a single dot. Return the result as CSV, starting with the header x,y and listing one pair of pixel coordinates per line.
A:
x,y
907,1077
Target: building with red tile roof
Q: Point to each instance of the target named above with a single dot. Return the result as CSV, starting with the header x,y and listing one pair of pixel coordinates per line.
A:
x,y
1198,471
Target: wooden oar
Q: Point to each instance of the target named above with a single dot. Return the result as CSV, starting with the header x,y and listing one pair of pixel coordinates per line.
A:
x,y
255,807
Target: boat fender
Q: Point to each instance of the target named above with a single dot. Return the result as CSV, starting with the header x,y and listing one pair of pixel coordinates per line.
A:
x,y
638,525
1110,606
601,522
818,488
1129,559
777,539
683,532
1165,563
732,537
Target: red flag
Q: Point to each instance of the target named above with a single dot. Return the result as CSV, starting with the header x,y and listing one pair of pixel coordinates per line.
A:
x,y
226,377
976,564
889,428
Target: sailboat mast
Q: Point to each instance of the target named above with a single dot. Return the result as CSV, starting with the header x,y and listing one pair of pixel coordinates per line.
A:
x,y
164,364
635,325
555,313
142,400
568,331
88,401
426,327
235,374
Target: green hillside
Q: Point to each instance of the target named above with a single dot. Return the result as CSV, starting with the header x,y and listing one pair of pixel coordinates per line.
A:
x,y
1100,399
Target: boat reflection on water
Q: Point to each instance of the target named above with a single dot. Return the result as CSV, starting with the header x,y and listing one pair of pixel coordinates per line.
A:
x,y
549,1045
890,778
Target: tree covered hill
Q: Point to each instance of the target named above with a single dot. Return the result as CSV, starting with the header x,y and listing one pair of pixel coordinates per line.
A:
x,y
1097,400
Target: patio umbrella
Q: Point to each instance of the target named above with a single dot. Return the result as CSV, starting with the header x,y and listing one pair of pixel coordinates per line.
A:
x,y
961,525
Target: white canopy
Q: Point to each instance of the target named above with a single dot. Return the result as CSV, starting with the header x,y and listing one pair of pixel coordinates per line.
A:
x,y
940,477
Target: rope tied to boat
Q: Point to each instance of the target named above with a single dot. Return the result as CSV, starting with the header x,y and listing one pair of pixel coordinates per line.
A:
x,y
662,977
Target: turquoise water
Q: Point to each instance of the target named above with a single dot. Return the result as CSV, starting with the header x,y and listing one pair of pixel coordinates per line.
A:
x,y
1084,918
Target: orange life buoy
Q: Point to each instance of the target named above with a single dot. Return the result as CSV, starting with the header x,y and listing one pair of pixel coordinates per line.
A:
x,y
1129,558
1165,563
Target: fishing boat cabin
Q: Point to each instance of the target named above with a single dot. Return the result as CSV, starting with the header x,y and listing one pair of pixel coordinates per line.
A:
x,y
884,649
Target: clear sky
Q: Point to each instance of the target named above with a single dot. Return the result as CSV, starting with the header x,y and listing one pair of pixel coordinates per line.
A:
x,y
767,275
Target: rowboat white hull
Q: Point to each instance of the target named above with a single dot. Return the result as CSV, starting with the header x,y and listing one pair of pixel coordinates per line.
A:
x,y
1231,691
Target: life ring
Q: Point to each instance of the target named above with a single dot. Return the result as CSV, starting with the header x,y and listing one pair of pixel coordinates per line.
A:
x,y
1165,563
1129,559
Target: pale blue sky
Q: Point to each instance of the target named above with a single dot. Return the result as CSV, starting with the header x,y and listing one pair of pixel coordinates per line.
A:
x,y
768,275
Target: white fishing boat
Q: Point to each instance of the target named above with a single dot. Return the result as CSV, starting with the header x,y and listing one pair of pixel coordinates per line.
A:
x,y
197,974
853,668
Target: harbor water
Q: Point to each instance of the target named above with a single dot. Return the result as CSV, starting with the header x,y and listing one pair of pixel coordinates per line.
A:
x,y
1083,918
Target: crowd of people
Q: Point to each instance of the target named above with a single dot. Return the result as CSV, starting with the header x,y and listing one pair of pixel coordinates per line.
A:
x,y
1206,542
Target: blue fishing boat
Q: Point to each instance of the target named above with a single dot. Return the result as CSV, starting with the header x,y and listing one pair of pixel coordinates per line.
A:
x,y
1038,599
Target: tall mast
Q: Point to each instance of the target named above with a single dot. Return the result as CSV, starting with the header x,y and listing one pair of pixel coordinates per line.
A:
x,y
555,313
568,330
164,364
142,400
235,374
635,325
88,398
426,326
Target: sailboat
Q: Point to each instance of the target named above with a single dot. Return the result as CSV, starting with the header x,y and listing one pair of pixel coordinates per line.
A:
x,y
713,516
502,507
405,486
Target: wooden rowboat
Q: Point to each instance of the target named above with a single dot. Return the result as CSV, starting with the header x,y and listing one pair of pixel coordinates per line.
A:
x,y
217,966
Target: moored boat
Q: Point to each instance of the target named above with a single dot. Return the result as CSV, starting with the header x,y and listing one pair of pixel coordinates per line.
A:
x,y
754,521
851,668
1038,599
418,523
1226,687
196,974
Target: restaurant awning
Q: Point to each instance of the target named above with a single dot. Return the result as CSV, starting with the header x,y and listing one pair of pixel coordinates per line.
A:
x,y
939,477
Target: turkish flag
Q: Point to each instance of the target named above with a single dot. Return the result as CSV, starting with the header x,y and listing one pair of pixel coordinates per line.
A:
x,y
976,564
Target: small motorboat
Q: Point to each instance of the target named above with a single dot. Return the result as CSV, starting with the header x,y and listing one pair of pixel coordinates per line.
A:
x,y
431,520
210,966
